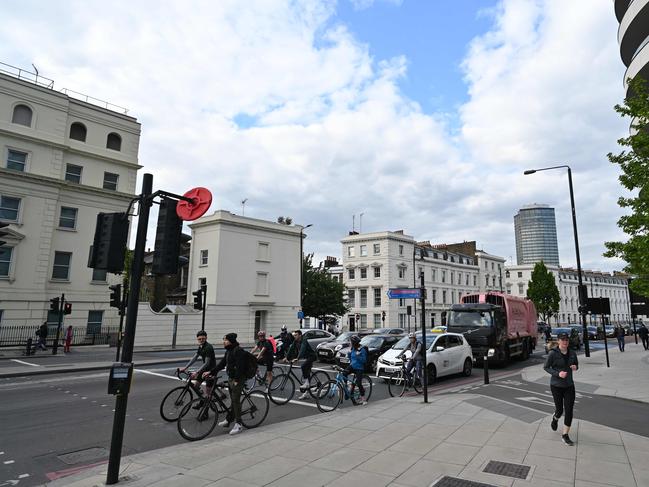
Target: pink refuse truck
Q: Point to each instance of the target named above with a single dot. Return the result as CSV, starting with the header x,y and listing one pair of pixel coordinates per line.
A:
x,y
494,323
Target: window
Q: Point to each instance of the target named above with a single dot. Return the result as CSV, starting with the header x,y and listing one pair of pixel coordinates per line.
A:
x,y
377,320
493,281
402,272
16,160
377,249
61,268
350,251
467,280
99,275
507,274
363,321
5,260
110,181
351,298
492,266
9,208
95,318
73,173
22,115
204,255
363,250
363,272
434,296
68,218
377,272
486,280
475,280
452,277
520,274
454,341
400,249
377,297
114,141
262,283
78,131
263,251
434,275
486,265
443,297
351,274
202,281
521,288
363,293
443,276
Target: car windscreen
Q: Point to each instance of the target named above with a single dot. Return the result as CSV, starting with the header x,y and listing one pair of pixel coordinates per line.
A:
x,y
469,318
371,342
403,343
344,337
556,331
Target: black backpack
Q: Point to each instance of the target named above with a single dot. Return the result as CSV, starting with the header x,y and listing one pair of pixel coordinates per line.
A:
x,y
251,364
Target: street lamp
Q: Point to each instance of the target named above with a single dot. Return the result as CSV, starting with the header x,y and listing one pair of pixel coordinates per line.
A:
x,y
581,293
302,263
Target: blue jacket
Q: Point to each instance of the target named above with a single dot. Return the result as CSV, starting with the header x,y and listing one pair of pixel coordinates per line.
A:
x,y
358,358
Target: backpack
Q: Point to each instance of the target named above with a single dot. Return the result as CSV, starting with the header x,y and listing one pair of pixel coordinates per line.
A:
x,y
273,343
251,364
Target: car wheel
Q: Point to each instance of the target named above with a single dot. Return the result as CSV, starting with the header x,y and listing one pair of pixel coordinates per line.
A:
x,y
468,367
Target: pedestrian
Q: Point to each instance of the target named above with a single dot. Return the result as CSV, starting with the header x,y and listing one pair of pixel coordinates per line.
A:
x,y
560,364
548,332
644,336
619,333
42,336
68,339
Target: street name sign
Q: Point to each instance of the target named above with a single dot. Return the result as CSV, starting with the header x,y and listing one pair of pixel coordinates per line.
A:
x,y
404,293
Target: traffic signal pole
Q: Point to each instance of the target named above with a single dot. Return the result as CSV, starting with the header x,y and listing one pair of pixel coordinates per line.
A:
x,y
424,346
204,290
55,347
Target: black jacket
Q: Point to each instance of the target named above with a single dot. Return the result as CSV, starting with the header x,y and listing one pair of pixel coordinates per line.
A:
x,y
234,363
557,362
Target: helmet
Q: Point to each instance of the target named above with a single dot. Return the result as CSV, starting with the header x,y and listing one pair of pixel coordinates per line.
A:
x,y
261,333
412,335
284,328
355,339
201,333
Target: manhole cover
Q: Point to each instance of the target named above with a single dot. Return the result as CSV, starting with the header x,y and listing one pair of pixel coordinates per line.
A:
x,y
455,482
514,470
83,456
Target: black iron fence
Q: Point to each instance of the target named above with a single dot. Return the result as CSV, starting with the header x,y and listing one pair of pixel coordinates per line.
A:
x,y
17,335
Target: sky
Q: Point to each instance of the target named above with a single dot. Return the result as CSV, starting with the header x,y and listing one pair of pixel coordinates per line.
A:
x,y
421,115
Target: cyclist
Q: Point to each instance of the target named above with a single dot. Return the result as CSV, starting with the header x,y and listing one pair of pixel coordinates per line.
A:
x,y
416,357
357,364
287,340
206,353
300,349
263,351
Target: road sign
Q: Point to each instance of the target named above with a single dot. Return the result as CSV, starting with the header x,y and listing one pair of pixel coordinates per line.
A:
x,y
404,293
300,315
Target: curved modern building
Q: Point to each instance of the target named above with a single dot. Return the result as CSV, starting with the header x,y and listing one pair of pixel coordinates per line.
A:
x,y
633,37
536,235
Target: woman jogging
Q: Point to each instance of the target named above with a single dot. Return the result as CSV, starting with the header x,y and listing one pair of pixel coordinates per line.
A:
x,y
560,364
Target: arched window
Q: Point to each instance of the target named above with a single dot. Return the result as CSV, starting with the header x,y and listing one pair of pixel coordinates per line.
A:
x,y
22,115
114,142
78,131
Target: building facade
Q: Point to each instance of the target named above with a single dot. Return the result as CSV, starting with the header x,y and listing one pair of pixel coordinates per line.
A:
x,y
633,37
600,284
373,263
63,162
536,235
252,271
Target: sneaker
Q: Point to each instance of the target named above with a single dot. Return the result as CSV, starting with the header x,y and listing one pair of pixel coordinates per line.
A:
x,y
554,423
566,439
304,386
362,401
304,396
236,429
199,405
224,424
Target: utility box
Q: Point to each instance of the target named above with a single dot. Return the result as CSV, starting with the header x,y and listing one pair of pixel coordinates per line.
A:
x,y
119,381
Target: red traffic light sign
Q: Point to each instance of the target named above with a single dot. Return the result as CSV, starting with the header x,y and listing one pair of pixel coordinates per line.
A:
x,y
201,201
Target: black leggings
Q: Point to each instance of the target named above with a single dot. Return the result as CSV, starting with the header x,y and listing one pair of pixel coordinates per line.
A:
x,y
563,396
358,378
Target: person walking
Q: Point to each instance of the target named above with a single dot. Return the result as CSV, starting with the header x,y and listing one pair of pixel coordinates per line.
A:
x,y
67,339
644,336
548,332
234,363
560,364
42,336
619,333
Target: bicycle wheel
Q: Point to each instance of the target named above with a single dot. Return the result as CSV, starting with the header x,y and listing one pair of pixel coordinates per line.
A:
x,y
329,396
282,389
396,384
318,378
197,420
417,385
367,385
254,408
174,402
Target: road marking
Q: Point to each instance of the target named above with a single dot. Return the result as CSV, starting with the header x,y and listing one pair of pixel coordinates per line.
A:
x,y
156,373
519,389
23,476
9,462
71,471
23,362
535,400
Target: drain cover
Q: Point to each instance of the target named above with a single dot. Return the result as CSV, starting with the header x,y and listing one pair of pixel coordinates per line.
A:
x,y
514,470
455,482
83,456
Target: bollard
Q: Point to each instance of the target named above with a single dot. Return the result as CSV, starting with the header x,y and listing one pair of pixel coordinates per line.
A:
x,y
29,347
485,367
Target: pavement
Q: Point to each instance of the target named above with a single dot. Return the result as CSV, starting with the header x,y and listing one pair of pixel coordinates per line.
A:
x,y
454,440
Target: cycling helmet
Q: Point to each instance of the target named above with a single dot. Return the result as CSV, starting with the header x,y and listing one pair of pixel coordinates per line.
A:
x,y
412,335
355,339
284,328
261,333
201,333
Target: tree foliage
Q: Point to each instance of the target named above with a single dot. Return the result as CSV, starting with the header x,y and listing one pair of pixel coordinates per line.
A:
x,y
634,163
543,291
322,295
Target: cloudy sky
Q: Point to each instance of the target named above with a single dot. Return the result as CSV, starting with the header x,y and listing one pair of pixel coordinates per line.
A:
x,y
420,114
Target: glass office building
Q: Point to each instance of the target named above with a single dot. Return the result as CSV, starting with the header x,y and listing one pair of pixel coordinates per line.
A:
x,y
536,235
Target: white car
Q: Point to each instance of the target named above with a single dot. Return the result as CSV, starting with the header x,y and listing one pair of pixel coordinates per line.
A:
x,y
447,353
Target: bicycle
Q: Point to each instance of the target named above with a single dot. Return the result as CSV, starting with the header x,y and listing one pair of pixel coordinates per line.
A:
x,y
196,422
282,387
259,380
176,399
402,380
332,393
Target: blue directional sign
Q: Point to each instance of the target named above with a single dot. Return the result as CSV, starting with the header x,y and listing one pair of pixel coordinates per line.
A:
x,y
300,315
404,293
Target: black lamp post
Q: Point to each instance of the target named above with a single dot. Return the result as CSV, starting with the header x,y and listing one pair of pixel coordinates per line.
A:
x,y
582,289
302,263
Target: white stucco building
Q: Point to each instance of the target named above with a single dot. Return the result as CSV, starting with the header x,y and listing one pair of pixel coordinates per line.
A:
x,y
63,162
599,284
252,271
373,263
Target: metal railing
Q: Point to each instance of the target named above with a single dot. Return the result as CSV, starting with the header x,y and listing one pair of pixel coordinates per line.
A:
x,y
26,75
17,335
94,101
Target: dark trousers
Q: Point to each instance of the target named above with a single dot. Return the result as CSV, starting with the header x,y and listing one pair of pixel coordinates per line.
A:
x,y
564,399
620,343
645,342
306,369
235,399
358,378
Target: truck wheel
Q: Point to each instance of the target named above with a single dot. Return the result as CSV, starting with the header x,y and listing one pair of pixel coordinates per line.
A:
x,y
525,354
468,367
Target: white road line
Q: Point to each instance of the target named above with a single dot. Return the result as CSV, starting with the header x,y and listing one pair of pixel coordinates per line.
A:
x,y
23,362
9,462
519,389
23,476
155,373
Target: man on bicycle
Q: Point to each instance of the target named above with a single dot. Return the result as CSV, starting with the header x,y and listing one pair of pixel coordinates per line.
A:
x,y
300,349
287,340
206,353
357,364
416,357
263,352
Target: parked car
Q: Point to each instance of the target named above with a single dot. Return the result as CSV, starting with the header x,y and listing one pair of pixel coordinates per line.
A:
x,y
388,331
448,353
574,340
326,351
610,331
314,336
593,333
438,329
376,346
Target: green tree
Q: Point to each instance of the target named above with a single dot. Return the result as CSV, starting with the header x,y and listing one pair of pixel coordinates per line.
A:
x,y
634,163
543,291
322,295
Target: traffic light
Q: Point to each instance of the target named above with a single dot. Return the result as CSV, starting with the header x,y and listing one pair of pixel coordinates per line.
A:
x,y
198,299
54,304
109,245
67,308
382,315
3,232
115,295
167,239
